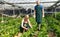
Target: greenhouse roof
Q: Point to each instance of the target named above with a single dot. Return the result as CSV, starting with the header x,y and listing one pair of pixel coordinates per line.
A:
x,y
21,2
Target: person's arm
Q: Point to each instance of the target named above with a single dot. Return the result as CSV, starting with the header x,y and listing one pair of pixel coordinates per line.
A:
x,y
29,23
22,25
34,13
43,12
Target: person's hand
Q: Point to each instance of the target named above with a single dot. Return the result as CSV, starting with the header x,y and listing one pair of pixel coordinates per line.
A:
x,y
34,16
43,16
26,28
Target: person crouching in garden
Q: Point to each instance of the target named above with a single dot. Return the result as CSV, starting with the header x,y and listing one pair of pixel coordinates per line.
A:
x,y
26,25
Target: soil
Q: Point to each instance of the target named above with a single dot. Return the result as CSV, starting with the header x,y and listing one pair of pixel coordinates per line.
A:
x,y
51,34
19,35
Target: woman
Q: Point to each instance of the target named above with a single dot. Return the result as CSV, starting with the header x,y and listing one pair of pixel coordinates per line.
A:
x,y
25,24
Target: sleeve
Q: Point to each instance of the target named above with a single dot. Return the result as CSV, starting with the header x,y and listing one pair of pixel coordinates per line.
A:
x,y
42,6
35,8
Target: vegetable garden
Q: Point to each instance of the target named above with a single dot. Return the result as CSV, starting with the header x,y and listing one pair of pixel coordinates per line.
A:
x,y
50,24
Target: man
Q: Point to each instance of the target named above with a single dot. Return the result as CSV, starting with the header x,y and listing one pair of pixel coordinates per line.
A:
x,y
38,13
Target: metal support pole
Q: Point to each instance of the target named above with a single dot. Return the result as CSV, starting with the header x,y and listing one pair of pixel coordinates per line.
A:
x,y
31,11
2,15
55,12
19,11
13,11
52,12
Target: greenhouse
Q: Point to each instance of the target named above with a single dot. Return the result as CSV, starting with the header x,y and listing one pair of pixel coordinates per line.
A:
x,y
13,11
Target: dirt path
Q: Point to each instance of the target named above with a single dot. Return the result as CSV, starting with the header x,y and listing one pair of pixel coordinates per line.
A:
x,y
19,35
35,34
51,34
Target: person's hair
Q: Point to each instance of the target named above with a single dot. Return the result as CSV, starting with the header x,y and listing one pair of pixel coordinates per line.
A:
x,y
27,16
37,2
